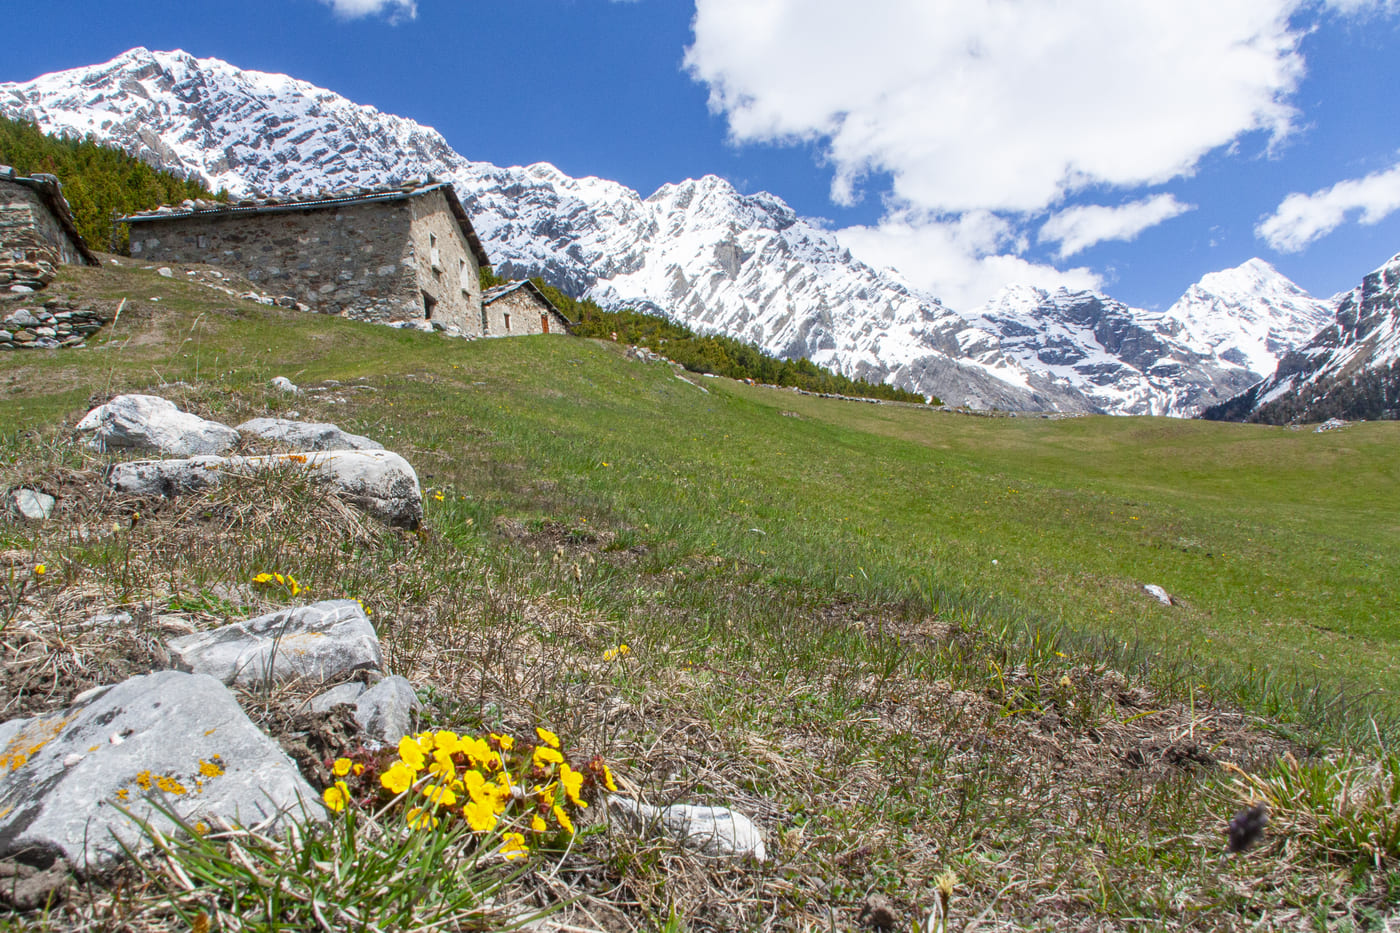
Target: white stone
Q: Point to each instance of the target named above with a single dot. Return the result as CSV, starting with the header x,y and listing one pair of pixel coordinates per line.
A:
x,y
178,739
716,831
22,318
32,505
378,481
1161,595
320,642
307,435
285,385
165,272
148,421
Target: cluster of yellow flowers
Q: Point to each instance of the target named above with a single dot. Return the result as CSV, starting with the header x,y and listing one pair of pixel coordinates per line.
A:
x,y
491,782
621,651
281,579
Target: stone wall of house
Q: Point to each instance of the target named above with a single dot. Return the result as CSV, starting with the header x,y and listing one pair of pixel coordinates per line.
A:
x,y
521,312
353,260
454,281
32,241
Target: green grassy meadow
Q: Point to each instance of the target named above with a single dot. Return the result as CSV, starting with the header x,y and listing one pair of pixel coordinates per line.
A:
x,y
797,575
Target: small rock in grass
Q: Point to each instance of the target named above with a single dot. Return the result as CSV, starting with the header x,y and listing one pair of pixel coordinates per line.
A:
x,y
32,505
286,385
716,831
179,740
320,642
341,693
1161,595
388,711
26,887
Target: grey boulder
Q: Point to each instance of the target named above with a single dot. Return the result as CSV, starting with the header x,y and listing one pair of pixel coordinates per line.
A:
x,y
76,782
716,831
32,505
378,481
387,710
307,435
318,643
146,422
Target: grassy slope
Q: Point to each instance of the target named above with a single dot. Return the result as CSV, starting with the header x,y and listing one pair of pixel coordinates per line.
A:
x,y
1280,545
802,563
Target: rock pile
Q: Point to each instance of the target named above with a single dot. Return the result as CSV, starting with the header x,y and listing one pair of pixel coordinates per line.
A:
x,y
47,328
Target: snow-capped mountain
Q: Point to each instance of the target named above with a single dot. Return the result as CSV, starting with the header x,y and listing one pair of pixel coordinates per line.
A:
x,y
698,251
1250,315
1127,361
1225,333
1349,369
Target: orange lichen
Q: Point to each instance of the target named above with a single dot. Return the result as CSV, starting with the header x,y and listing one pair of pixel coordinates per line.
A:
x,y
30,741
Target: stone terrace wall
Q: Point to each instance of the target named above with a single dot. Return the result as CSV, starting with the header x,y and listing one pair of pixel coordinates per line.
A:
x,y
524,308
32,241
353,260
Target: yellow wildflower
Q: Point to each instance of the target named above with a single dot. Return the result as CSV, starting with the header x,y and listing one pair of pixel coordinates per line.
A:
x,y
537,824
443,767
545,756
506,742
40,570
480,753
342,767
411,754
398,778
418,818
572,781
337,796
547,737
440,795
446,742
563,819
513,846
480,817
263,578
608,780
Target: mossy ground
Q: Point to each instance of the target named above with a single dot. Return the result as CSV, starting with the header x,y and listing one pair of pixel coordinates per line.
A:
x,y
906,642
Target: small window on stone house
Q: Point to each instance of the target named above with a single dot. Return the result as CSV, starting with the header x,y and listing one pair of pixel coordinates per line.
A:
x,y
434,256
429,303
507,317
462,276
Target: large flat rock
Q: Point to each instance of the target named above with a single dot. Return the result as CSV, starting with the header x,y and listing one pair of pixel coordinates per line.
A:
x,y
320,642
307,435
66,777
378,481
148,422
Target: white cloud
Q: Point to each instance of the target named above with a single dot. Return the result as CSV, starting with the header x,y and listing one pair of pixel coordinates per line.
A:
x,y
999,104
1302,218
355,9
963,260
1078,228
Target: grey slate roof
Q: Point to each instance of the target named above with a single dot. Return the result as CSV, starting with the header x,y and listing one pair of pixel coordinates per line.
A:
x,y
323,201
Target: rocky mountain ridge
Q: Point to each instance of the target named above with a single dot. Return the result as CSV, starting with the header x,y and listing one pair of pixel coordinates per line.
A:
x,y
698,251
1349,369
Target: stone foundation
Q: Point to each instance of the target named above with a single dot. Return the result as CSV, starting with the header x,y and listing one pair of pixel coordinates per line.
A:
x,y
49,327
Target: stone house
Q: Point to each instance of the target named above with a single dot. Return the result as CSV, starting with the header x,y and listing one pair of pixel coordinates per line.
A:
x,y
520,308
400,254
37,232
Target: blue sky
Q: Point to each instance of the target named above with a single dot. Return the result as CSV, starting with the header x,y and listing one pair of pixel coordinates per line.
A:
x,y
1132,146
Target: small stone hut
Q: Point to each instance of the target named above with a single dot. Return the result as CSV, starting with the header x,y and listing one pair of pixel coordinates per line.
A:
x,y
37,232
387,254
520,308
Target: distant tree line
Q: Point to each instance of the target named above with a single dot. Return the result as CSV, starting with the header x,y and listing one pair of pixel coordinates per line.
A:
x,y
723,356
1370,396
98,180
